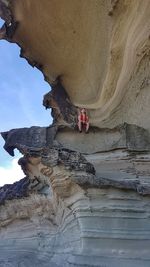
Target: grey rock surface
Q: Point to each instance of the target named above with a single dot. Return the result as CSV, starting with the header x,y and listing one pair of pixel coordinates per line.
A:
x,y
35,136
125,136
95,207
17,190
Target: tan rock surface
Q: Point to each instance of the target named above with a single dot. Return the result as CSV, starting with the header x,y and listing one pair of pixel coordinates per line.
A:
x,y
83,215
100,49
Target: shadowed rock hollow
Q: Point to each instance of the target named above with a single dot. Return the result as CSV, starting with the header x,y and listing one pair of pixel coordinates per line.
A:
x,y
83,196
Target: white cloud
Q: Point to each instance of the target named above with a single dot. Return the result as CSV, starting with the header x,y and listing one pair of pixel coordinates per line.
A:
x,y
12,173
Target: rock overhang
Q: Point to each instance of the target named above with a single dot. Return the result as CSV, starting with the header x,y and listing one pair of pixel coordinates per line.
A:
x,y
45,153
87,47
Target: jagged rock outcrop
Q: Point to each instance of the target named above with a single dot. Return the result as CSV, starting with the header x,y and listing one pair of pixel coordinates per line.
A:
x,y
76,209
126,136
84,196
16,190
36,137
63,111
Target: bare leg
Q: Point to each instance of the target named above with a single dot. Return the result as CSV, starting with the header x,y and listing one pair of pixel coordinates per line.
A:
x,y
87,127
80,126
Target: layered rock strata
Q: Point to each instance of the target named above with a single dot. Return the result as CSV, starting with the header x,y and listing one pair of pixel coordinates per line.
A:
x,y
84,200
74,208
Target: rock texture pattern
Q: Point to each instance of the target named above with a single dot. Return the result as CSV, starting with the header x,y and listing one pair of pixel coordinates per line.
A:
x,y
63,111
98,50
74,209
85,198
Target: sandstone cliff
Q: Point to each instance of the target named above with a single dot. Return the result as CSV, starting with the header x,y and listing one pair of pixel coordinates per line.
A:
x,y
84,200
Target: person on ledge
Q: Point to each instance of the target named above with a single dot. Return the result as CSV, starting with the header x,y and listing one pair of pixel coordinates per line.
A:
x,y
83,121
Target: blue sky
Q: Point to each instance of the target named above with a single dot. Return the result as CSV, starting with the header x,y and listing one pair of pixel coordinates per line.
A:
x,y
21,93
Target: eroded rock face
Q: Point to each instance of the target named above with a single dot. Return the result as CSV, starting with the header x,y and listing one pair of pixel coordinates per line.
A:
x,y
100,51
126,136
35,137
74,205
63,111
71,207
